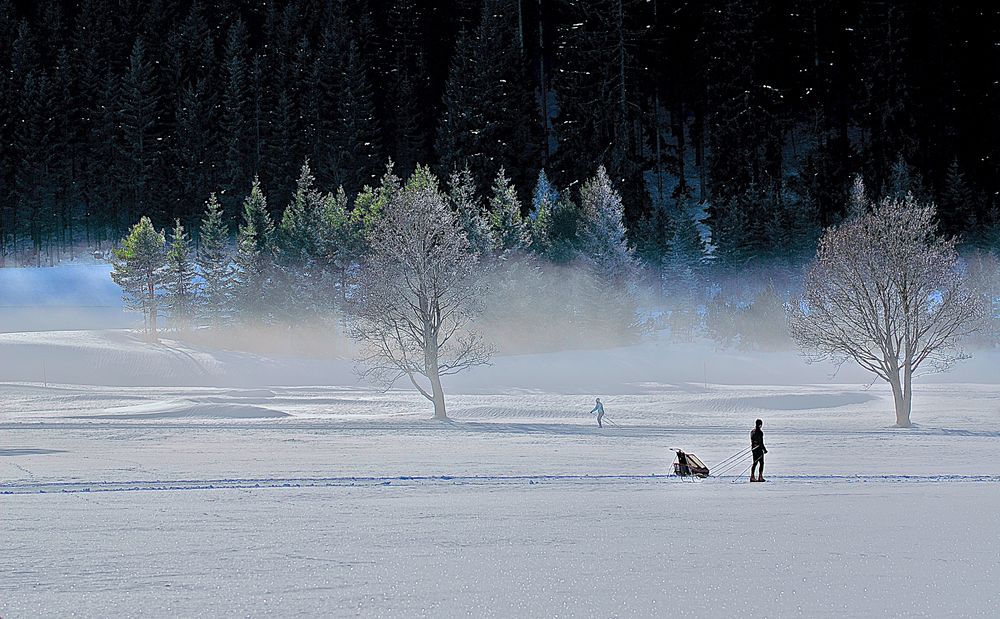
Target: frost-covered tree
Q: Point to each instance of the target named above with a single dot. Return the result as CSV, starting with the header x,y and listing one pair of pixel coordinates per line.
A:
x,y
138,266
857,201
506,223
422,291
467,207
214,263
602,229
180,293
252,265
543,202
885,291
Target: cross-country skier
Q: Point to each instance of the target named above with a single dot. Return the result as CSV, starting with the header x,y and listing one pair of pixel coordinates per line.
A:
x,y
758,450
599,409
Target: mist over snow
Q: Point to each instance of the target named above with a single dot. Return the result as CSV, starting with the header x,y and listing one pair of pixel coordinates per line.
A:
x,y
554,308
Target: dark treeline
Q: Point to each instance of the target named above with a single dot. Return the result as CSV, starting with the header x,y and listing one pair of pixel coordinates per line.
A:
x,y
757,114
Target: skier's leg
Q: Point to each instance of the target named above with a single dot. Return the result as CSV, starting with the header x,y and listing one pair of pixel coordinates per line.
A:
x,y
599,424
760,474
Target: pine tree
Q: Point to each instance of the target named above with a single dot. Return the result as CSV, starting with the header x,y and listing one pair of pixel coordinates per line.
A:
x,y
602,230
467,207
299,243
489,113
251,278
234,109
857,202
506,223
214,263
298,233
358,137
957,211
371,202
138,117
180,293
195,130
138,267
342,240
543,202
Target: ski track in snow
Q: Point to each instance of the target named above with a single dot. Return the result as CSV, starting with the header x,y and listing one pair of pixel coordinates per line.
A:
x,y
478,480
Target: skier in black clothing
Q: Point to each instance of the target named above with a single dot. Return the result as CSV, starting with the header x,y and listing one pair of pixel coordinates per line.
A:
x,y
758,449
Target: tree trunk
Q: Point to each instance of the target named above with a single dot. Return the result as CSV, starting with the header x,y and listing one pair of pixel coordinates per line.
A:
x,y
438,392
152,311
431,368
903,414
901,399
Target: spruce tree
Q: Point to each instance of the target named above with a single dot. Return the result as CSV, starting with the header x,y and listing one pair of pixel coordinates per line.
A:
x,y
180,293
506,223
139,111
358,138
234,123
214,263
543,202
342,241
299,243
251,278
488,118
468,208
602,230
957,210
138,267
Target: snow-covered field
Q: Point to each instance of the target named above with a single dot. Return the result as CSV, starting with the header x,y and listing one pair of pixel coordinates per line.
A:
x,y
267,495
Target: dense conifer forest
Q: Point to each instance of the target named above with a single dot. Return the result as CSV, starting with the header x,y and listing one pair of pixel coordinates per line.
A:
x,y
743,123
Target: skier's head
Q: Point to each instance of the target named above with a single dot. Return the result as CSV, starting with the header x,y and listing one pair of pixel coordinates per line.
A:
x,y
759,423
598,400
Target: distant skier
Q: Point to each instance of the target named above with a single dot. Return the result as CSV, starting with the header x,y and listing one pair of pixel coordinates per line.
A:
x,y
758,450
599,409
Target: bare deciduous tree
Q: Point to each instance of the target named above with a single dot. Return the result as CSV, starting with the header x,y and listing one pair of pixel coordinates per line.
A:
x,y
420,291
885,291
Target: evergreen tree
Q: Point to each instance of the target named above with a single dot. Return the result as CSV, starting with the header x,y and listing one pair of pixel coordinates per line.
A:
x,y
467,207
488,117
506,223
251,278
234,110
543,202
602,230
957,210
138,267
358,139
371,202
194,129
138,118
342,240
214,263
298,233
180,293
299,243
857,204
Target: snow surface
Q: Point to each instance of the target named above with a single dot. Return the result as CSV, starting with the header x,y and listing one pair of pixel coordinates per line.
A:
x,y
174,481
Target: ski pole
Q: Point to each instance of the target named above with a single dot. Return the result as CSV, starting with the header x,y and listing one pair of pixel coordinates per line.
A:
x,y
735,479
736,456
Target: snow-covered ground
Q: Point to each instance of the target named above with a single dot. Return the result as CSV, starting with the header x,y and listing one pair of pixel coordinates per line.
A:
x,y
235,486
